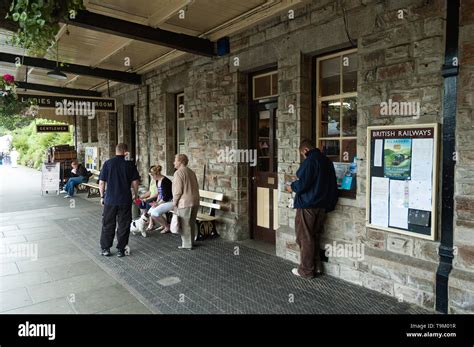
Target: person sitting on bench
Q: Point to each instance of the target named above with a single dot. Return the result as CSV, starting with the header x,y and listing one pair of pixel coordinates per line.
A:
x,y
152,194
164,203
79,175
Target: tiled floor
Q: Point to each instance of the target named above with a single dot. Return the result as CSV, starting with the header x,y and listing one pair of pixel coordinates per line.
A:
x,y
55,276
70,276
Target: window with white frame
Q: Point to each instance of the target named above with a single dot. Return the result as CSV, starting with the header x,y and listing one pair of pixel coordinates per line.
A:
x,y
336,113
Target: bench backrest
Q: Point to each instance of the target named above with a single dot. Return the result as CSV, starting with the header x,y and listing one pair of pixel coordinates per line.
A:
x,y
95,175
210,200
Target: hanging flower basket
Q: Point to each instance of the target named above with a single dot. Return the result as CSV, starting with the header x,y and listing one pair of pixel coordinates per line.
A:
x,y
38,22
10,104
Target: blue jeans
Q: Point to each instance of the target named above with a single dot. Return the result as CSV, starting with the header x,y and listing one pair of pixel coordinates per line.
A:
x,y
71,183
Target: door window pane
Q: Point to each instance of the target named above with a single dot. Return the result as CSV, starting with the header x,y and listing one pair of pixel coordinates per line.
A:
x,y
263,149
330,76
275,141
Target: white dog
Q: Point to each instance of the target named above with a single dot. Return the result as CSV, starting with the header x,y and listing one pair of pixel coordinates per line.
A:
x,y
139,225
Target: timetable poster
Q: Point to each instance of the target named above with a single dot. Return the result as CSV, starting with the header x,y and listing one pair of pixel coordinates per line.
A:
x,y
397,158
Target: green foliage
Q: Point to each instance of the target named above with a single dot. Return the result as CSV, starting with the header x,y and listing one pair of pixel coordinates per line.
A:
x,y
10,123
39,22
33,146
10,105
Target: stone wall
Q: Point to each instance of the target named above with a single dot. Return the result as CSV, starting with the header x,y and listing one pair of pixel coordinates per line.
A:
x,y
105,136
399,59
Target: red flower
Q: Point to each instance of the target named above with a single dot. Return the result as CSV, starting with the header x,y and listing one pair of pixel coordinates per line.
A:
x,y
9,78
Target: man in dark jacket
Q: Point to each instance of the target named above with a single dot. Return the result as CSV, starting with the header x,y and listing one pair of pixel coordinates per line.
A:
x,y
117,178
79,174
316,194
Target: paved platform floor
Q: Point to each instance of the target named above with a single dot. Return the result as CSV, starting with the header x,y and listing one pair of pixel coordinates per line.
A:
x,y
59,277
218,276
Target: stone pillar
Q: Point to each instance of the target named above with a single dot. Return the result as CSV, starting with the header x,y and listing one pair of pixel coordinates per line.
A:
x,y
294,124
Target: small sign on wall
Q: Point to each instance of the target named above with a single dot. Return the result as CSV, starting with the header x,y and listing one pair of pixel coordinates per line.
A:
x,y
52,128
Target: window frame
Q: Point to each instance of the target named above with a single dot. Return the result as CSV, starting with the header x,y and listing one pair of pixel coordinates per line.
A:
x,y
264,74
335,97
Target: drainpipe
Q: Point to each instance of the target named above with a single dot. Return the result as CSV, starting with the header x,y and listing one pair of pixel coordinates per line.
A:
x,y
75,131
450,74
148,130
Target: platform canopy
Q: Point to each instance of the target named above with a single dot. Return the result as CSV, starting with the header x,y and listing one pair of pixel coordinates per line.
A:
x,y
115,41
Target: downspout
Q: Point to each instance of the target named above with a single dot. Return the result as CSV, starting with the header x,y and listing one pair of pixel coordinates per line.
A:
x,y
75,131
450,73
148,130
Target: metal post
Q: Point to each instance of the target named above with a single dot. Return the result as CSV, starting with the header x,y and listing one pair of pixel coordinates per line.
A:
x,y
450,73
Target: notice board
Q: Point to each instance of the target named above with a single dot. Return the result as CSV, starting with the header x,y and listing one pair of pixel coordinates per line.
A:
x,y
91,158
402,169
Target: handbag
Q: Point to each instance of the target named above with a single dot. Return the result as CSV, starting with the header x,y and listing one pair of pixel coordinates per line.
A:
x,y
175,227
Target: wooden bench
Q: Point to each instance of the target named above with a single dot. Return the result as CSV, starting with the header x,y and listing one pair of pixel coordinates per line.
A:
x,y
206,218
92,186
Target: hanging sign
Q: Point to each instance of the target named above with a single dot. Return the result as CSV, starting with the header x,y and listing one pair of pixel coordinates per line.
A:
x,y
52,128
68,105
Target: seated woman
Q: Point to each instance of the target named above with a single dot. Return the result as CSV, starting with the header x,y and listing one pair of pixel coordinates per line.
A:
x,y
152,194
164,203
79,175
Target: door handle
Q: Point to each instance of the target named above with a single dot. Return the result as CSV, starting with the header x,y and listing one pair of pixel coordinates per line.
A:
x,y
254,178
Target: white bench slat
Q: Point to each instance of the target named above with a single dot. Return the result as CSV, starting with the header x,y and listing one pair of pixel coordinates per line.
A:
x,y
211,195
93,185
210,205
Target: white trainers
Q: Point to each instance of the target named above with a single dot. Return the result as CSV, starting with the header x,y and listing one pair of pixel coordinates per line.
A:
x,y
67,196
63,192
295,272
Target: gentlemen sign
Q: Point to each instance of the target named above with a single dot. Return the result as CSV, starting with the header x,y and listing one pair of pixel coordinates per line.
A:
x,y
52,128
70,102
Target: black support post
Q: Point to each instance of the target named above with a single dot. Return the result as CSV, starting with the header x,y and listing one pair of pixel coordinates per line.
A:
x,y
450,75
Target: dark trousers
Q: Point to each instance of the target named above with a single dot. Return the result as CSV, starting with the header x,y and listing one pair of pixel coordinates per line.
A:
x,y
309,224
119,217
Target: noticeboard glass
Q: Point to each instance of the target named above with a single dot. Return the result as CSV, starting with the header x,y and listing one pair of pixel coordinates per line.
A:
x,y
401,179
